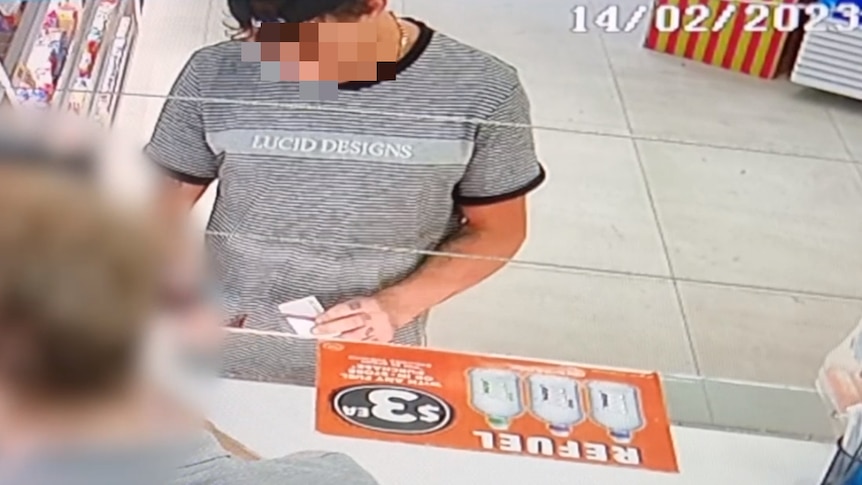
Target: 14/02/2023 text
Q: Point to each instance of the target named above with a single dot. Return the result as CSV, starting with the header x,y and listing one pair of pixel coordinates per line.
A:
x,y
716,16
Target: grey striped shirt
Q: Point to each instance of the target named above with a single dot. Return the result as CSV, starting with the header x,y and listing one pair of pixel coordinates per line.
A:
x,y
313,197
197,461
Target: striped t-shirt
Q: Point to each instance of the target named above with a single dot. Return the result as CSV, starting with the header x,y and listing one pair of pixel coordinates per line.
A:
x,y
324,198
199,460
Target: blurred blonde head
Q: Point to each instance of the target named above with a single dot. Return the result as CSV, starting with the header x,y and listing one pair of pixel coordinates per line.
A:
x,y
79,275
49,142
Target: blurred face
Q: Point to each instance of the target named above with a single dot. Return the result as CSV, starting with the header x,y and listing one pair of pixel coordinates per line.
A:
x,y
184,339
325,51
79,281
73,147
190,307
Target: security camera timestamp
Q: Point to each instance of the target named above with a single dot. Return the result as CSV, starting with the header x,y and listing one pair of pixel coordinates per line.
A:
x,y
716,16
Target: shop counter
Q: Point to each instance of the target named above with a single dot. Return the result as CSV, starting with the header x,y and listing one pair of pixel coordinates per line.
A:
x,y
278,419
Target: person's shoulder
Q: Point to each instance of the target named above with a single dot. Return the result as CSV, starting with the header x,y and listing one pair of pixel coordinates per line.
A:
x,y
462,56
219,67
306,468
317,468
222,53
484,81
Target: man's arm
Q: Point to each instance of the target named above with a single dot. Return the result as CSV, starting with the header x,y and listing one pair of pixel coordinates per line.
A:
x,y
491,235
231,445
187,166
181,195
176,199
492,199
178,147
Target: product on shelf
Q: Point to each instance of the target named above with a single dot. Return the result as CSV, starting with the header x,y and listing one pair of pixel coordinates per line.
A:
x,y
10,15
89,80
114,68
35,80
83,83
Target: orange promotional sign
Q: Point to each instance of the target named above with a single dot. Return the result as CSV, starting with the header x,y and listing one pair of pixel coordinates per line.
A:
x,y
493,404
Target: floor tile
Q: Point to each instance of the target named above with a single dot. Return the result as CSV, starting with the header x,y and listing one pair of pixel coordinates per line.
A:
x,y
669,98
593,210
127,123
137,115
764,337
756,219
218,24
845,113
769,410
566,75
849,122
170,32
127,174
588,319
665,98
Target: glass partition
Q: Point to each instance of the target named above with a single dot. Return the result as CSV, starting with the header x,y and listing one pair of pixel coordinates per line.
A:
x,y
695,221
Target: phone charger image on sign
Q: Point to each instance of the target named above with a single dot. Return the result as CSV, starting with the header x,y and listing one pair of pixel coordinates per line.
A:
x,y
497,394
557,401
515,407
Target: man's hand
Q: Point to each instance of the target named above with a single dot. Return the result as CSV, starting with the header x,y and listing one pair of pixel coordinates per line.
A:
x,y
230,444
368,319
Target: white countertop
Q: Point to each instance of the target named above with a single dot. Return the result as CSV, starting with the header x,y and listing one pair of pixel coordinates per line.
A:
x,y
275,420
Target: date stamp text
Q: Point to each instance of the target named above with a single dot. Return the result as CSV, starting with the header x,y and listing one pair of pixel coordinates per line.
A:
x,y
717,16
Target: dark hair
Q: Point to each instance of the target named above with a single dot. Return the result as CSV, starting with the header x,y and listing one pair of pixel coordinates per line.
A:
x,y
246,12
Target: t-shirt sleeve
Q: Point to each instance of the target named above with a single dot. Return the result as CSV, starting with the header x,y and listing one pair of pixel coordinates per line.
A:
x,y
178,145
504,163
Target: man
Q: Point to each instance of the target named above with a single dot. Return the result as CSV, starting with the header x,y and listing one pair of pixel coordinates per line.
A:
x,y
80,281
343,199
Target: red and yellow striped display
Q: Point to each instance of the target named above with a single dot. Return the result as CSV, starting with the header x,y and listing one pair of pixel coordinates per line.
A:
x,y
728,42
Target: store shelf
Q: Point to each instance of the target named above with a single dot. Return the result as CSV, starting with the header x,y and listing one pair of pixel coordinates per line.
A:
x,y
11,15
16,19
78,96
101,60
69,55
7,94
38,77
114,71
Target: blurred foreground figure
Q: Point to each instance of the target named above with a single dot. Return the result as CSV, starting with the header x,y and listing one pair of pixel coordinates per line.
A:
x,y
48,144
83,286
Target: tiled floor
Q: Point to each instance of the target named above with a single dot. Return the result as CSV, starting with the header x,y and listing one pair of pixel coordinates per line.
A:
x,y
758,219
695,221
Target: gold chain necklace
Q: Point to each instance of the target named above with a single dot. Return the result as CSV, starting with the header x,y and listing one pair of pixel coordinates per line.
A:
x,y
403,38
